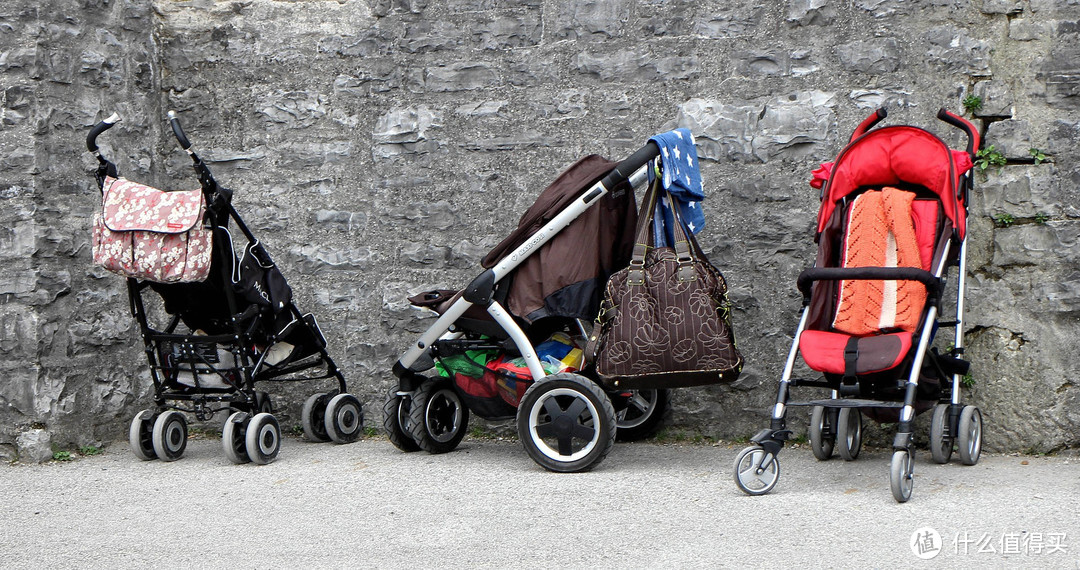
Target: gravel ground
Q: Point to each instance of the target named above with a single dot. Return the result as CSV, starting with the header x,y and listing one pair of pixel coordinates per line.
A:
x,y
487,505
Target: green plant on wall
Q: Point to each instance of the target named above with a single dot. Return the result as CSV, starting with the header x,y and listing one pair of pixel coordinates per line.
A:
x,y
1037,155
1042,218
988,157
1004,220
972,103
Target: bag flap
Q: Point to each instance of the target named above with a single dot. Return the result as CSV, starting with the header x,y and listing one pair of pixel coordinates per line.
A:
x,y
129,206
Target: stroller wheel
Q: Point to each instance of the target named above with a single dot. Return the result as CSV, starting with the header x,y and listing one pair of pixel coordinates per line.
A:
x,y
233,437
312,418
941,444
643,415
567,423
437,418
822,433
170,435
344,418
141,435
901,472
263,438
263,403
396,421
756,473
969,435
849,433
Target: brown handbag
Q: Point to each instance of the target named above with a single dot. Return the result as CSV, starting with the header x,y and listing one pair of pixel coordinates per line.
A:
x,y
665,321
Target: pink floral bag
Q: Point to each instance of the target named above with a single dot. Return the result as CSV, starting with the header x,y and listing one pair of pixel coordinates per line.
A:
x,y
150,234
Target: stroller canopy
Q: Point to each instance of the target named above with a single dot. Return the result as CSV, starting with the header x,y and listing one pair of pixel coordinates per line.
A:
x,y
566,277
892,156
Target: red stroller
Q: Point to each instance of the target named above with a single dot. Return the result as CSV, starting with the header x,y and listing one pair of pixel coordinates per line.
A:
x,y
892,221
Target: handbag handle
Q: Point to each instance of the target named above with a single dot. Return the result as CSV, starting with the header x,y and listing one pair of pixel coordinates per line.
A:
x,y
684,246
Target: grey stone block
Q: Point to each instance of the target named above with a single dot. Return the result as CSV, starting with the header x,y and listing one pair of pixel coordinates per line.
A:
x,y
35,446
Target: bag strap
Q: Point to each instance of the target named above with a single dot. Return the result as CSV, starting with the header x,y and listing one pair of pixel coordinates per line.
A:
x,y
636,272
686,246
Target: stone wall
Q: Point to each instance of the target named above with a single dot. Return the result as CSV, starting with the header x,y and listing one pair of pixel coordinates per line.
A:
x,y
381,147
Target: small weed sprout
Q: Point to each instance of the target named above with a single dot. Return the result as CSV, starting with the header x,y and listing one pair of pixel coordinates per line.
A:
x,y
1042,218
62,456
988,157
89,450
1038,155
972,103
1004,220
968,380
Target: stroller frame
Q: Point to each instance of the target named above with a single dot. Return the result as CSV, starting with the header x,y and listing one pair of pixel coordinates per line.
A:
x,y
251,432
836,421
426,413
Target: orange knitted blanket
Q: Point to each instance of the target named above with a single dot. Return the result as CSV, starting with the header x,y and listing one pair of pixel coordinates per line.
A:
x,y
880,233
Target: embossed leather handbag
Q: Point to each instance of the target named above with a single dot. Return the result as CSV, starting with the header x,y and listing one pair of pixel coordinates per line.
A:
x,y
151,234
665,321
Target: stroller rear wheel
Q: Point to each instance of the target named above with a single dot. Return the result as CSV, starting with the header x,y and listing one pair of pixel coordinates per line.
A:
x,y
437,418
755,472
643,415
344,418
313,418
849,433
941,443
396,421
969,435
901,472
170,435
567,423
234,437
822,432
263,438
141,435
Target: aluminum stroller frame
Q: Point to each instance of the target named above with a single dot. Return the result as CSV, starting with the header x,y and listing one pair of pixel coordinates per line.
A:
x,y
566,421
836,421
221,368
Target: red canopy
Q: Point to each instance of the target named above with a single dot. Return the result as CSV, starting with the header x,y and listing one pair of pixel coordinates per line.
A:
x,y
895,155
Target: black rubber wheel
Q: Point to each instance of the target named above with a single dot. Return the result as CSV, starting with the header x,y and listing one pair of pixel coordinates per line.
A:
x,y
344,418
901,471
645,413
567,423
170,435
313,418
969,435
141,435
822,432
263,438
941,441
849,433
755,472
396,421
234,437
437,417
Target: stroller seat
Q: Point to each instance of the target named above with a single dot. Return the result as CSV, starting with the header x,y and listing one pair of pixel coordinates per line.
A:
x,y
872,326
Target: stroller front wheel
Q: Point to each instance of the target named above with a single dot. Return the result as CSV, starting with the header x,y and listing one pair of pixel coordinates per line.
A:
x,y
756,472
396,421
263,438
901,475
312,418
438,418
234,437
969,435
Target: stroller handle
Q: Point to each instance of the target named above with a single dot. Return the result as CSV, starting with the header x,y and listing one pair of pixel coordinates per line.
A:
x,y
626,168
102,126
868,123
964,125
178,131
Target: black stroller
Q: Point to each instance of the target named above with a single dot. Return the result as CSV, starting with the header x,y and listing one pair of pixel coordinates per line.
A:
x,y
228,324
893,219
510,344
